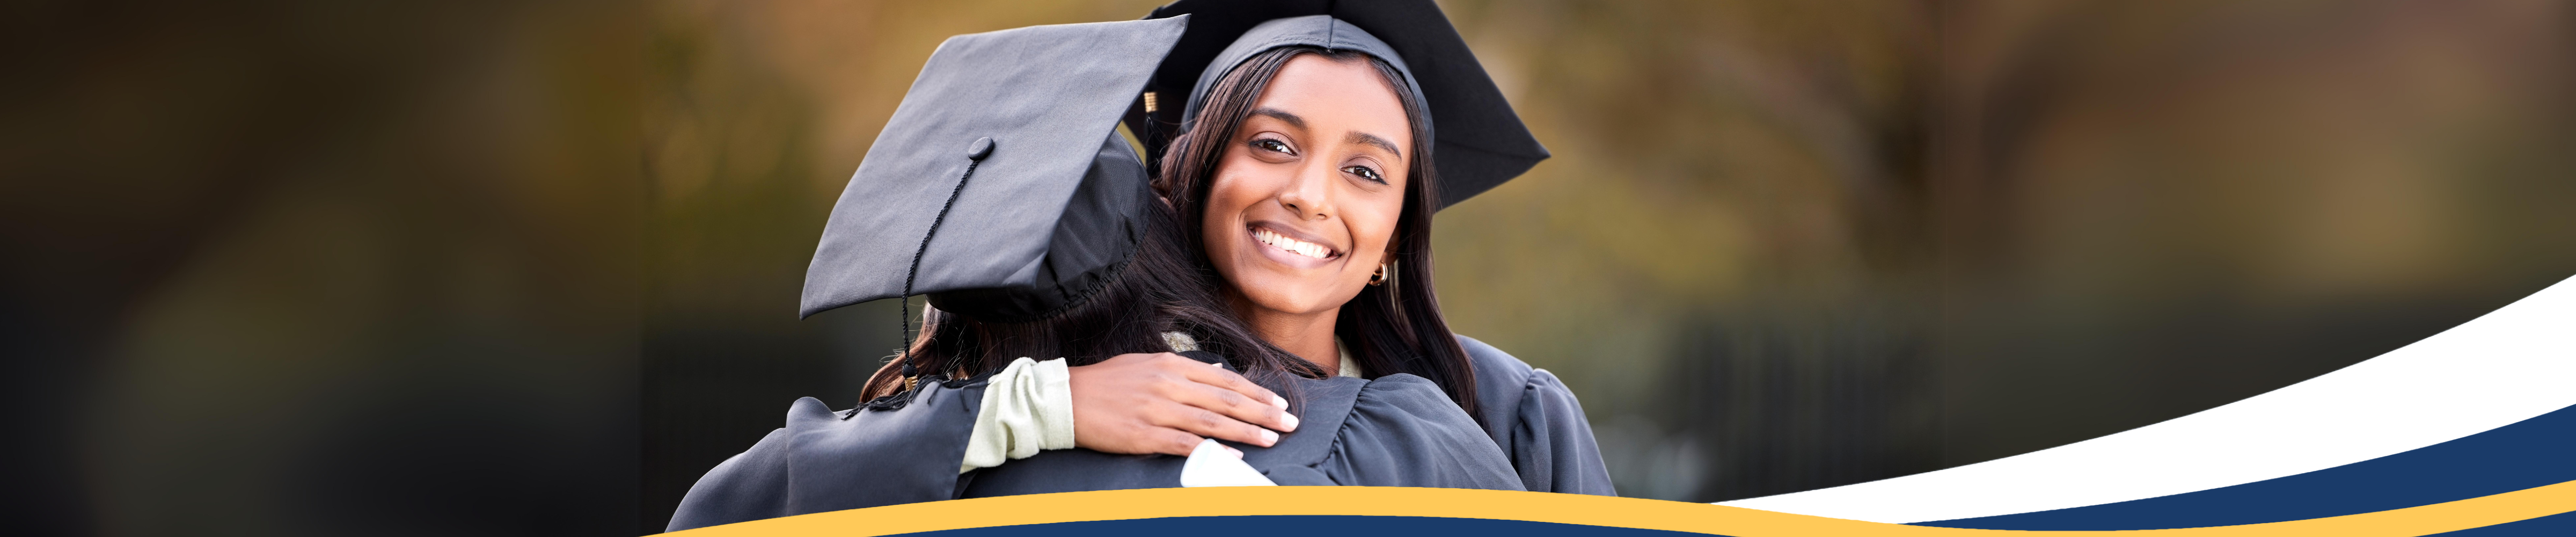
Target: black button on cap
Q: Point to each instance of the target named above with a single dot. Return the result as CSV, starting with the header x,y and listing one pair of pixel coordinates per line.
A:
x,y
981,148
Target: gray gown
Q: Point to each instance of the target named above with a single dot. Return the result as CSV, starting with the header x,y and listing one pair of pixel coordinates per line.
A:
x,y
1538,424
1397,430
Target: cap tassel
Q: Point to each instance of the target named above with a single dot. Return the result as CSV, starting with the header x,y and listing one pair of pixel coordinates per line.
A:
x,y
1151,137
975,153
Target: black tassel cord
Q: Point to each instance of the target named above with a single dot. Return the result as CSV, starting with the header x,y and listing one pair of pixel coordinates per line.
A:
x,y
975,154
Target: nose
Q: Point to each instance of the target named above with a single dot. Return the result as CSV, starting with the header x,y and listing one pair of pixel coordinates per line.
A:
x,y
1309,194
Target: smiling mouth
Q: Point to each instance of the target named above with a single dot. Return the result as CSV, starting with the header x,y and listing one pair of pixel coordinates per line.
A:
x,y
1293,246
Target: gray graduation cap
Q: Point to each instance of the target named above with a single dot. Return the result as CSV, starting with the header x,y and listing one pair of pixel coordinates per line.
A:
x,y
1000,187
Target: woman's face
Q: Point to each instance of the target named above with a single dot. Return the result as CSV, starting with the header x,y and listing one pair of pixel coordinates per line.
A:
x,y
1306,197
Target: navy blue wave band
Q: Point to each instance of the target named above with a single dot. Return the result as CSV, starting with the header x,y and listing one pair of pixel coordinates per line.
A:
x,y
2526,454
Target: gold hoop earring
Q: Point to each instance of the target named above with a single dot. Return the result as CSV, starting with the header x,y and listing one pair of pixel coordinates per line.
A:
x,y
1380,276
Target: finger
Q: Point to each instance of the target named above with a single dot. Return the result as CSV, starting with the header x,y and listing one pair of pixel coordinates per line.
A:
x,y
1169,441
1235,405
1200,421
1222,378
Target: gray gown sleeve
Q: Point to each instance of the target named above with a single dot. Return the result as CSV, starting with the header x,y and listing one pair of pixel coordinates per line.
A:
x,y
1538,424
820,462
1403,431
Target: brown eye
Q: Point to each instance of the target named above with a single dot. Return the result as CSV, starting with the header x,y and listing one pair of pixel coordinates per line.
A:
x,y
1366,173
1272,145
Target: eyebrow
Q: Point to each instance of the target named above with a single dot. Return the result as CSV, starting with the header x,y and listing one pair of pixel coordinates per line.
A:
x,y
1356,137
1282,115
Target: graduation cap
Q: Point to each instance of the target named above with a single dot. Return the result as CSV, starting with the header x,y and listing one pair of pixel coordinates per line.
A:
x,y
1000,187
1480,142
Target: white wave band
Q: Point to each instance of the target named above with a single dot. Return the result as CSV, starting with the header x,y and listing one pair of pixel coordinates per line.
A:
x,y
2512,364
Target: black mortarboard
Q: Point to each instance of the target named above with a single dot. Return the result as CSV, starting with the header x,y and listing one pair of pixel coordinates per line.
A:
x,y
1480,142
1000,187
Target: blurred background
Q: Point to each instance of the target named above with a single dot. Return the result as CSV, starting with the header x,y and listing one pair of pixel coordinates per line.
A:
x,y
319,268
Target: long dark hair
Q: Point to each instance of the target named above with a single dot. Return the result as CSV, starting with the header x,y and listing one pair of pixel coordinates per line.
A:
x,y
1158,290
1391,328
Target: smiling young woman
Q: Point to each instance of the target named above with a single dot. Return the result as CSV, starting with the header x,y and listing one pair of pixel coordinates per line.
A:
x,y
1307,173
1305,202
1305,177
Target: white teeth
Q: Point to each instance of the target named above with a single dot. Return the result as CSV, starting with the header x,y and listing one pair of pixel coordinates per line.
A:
x,y
1303,248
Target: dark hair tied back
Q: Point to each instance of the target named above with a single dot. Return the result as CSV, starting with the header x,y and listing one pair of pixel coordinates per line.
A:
x,y
1158,290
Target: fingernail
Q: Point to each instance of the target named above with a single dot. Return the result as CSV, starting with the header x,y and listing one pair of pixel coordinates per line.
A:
x,y
1237,452
1288,420
1277,401
1269,438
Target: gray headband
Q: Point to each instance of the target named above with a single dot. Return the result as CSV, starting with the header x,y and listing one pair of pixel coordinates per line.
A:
x,y
1321,31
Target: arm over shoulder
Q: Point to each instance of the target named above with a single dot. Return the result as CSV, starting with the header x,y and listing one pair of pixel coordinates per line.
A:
x,y
1538,423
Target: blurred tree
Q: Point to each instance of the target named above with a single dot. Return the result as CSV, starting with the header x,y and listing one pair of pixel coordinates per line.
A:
x,y
1790,246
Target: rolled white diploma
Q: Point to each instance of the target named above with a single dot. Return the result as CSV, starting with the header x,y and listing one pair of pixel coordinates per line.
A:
x,y
1211,466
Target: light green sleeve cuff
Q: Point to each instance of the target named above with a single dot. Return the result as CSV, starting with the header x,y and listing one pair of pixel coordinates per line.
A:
x,y
1028,406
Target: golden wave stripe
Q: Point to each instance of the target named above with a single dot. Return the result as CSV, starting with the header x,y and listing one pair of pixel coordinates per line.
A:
x,y
1563,509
